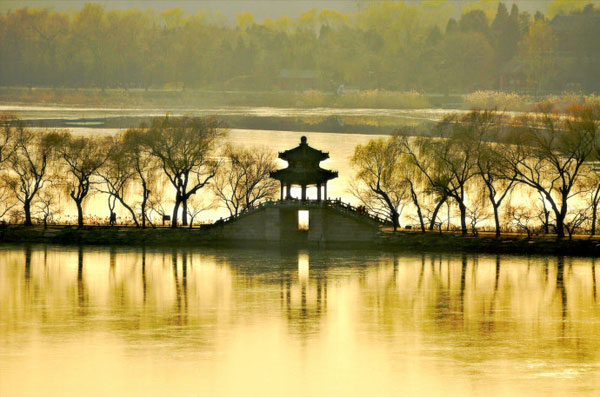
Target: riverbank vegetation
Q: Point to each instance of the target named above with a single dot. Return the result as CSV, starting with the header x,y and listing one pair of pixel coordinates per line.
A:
x,y
537,172
483,170
131,169
431,47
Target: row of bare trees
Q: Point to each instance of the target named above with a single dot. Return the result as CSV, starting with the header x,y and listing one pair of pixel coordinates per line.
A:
x,y
131,169
480,160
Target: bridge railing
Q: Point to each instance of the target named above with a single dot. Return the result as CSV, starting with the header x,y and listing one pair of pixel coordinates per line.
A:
x,y
337,204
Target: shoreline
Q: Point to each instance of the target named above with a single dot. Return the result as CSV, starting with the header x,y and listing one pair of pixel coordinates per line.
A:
x,y
398,241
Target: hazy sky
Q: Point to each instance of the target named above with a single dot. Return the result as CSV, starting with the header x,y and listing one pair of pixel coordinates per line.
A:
x,y
229,8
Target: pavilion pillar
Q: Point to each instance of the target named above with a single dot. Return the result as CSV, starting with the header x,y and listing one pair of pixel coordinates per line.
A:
x,y
318,192
288,193
325,190
303,192
282,189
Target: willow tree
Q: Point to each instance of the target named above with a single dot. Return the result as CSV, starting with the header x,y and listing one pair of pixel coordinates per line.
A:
x,y
143,165
82,157
184,148
117,174
484,129
448,162
243,179
420,169
379,183
550,154
30,163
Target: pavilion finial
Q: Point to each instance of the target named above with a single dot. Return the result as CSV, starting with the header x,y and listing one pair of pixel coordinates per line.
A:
x,y
303,140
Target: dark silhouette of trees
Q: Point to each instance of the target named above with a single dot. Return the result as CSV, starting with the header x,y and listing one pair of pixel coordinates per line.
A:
x,y
483,129
184,148
243,178
30,163
379,184
144,166
549,154
116,175
82,157
425,171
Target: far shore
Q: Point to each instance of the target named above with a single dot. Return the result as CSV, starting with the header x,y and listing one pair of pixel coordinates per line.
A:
x,y
402,240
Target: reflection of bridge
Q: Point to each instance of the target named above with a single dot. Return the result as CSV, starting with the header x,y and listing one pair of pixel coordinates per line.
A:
x,y
300,221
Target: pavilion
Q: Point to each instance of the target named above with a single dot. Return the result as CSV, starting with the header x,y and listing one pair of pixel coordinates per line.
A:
x,y
303,170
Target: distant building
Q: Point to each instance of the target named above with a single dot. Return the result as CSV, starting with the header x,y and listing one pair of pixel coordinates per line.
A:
x,y
512,76
293,79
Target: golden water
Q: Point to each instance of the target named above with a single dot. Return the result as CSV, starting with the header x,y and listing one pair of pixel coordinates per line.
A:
x,y
101,321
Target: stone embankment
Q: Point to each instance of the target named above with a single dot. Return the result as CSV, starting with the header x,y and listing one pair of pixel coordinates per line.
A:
x,y
209,236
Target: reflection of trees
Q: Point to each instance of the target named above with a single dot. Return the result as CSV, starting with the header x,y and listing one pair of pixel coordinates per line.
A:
x,y
594,279
82,296
27,264
181,301
204,292
560,287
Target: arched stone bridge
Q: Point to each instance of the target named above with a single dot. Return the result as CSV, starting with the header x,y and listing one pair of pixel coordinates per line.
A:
x,y
297,221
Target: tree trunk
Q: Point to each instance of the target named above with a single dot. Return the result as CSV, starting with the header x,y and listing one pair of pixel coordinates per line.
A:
x,y
546,221
175,211
497,220
184,220
396,220
27,210
143,209
435,213
560,227
463,217
416,203
79,213
560,219
131,211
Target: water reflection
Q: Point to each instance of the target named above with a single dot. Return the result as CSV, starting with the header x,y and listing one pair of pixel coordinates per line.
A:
x,y
219,321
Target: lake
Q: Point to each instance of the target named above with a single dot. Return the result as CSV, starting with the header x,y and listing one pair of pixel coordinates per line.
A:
x,y
129,321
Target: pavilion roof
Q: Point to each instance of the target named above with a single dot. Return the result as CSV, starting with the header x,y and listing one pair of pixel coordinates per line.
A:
x,y
304,152
303,166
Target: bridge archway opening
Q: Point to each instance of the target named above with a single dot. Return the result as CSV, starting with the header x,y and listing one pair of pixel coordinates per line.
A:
x,y
303,220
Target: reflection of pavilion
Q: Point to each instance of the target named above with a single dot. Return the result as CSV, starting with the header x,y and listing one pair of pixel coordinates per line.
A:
x,y
305,302
303,169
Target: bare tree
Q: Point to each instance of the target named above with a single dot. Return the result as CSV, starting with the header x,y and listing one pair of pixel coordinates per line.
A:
x,y
29,163
82,157
243,178
184,147
157,202
548,154
485,128
7,199
477,211
46,206
520,217
117,174
576,219
196,206
421,170
143,164
594,201
449,162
